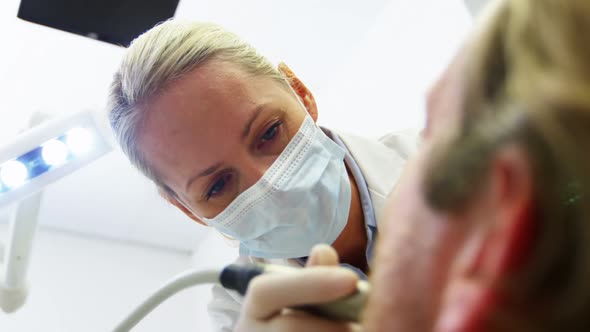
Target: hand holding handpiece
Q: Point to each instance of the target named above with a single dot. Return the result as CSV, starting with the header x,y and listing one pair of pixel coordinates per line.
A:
x,y
322,288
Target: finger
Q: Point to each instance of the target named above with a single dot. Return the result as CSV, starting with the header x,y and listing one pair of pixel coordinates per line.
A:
x,y
322,254
269,293
297,321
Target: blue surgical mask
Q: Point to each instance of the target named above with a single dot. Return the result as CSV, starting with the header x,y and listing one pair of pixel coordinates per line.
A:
x,y
303,199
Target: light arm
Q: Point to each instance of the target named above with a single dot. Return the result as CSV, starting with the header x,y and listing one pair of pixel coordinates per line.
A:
x,y
15,262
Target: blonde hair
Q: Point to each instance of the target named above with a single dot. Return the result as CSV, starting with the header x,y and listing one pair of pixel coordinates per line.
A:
x,y
528,82
165,54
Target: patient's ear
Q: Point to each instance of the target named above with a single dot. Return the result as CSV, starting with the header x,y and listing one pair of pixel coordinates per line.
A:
x,y
172,200
497,244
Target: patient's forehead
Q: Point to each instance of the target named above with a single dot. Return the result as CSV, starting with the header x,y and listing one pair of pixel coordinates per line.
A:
x,y
444,102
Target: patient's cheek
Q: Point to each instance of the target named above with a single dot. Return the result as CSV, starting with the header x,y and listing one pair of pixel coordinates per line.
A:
x,y
407,278
381,307
398,281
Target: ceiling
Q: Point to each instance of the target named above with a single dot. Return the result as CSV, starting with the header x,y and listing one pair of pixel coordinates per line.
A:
x,y
59,73
475,6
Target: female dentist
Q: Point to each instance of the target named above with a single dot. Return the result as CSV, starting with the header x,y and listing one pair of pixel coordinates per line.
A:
x,y
232,141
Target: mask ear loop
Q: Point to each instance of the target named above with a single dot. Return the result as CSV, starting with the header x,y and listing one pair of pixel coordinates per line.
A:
x,y
230,241
227,239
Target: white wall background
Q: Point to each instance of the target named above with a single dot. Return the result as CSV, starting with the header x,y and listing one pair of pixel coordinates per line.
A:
x,y
107,239
384,86
84,284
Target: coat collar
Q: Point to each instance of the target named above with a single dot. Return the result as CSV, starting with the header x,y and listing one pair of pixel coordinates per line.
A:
x,y
381,166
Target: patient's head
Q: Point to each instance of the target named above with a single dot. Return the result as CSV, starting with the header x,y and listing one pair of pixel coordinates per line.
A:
x,y
490,227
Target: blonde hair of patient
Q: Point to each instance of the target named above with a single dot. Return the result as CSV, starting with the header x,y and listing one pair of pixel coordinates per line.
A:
x,y
528,82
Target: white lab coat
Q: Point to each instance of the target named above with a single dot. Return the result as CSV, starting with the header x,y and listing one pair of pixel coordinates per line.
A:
x,y
381,162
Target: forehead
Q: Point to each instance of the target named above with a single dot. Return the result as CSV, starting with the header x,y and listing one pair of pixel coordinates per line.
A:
x,y
445,98
213,84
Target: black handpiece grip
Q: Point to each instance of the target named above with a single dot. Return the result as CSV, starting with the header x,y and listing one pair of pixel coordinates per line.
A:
x,y
237,277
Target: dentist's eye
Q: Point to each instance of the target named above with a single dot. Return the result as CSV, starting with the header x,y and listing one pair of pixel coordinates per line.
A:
x,y
271,132
218,186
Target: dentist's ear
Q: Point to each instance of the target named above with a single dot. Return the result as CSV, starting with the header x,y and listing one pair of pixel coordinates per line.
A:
x,y
172,200
301,90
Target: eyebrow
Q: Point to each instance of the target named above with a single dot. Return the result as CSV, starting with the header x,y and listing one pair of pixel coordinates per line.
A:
x,y
205,172
253,117
214,168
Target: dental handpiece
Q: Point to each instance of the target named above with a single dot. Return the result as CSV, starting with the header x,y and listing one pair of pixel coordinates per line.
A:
x,y
238,277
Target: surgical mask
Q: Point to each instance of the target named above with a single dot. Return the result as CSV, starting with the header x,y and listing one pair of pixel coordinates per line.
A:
x,y
303,199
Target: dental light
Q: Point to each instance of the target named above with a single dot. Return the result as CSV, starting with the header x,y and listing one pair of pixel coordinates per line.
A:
x,y
35,159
